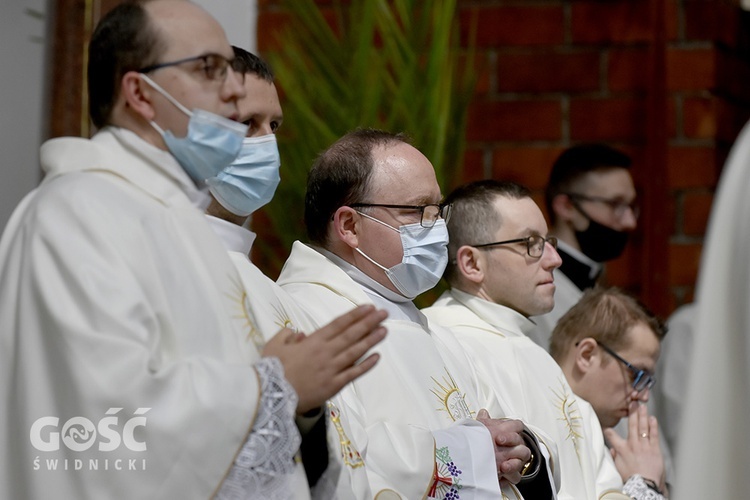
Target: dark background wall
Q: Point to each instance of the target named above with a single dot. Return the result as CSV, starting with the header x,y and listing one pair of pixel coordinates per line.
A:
x,y
664,80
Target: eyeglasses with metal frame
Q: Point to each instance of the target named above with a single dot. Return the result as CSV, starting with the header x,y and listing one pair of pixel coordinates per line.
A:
x,y
534,244
428,214
214,66
642,379
619,207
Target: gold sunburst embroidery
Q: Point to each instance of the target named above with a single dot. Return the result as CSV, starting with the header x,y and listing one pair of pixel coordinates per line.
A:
x,y
283,320
244,314
566,403
452,399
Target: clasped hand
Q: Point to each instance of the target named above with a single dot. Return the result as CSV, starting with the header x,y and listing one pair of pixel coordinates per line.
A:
x,y
511,454
320,364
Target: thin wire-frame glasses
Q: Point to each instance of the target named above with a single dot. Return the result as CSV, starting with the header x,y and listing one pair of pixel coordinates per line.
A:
x,y
534,244
642,379
214,66
428,214
619,207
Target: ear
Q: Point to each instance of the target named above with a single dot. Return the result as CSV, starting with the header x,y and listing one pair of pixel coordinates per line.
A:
x,y
563,207
470,263
137,95
586,355
345,226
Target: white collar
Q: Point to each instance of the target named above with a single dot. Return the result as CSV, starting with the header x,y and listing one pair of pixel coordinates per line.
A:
x,y
502,317
398,306
235,238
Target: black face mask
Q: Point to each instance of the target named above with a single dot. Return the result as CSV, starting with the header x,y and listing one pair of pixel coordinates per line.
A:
x,y
599,242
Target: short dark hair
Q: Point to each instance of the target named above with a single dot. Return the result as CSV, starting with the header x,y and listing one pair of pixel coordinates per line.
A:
x,y
341,176
473,216
124,40
574,163
606,315
246,62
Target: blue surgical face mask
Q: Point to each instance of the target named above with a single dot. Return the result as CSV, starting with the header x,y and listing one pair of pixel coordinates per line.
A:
x,y
211,143
424,260
252,178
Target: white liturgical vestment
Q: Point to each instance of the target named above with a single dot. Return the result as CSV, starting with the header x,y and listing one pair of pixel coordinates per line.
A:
x,y
125,369
405,428
529,380
713,455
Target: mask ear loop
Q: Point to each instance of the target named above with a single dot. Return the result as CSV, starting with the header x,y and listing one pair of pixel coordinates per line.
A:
x,y
378,221
166,94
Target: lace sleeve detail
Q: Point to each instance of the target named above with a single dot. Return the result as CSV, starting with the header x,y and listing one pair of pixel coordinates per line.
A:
x,y
637,488
264,465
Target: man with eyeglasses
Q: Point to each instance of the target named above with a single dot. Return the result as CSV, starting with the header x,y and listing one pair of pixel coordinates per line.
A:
x,y
591,205
126,369
418,424
608,345
501,273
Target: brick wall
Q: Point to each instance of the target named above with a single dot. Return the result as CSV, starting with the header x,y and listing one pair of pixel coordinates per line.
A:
x,y
665,80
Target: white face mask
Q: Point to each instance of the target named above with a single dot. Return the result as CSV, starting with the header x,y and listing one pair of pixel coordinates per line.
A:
x,y
252,178
424,260
211,143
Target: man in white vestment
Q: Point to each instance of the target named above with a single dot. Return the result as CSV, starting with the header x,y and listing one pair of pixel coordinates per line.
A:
x,y
590,201
126,367
419,424
673,372
501,272
246,185
608,345
713,453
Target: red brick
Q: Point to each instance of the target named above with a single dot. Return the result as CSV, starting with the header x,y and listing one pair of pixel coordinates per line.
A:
x,y
732,75
712,20
620,21
691,69
514,25
696,207
699,117
691,167
514,121
672,211
684,260
624,271
483,69
473,169
607,119
730,118
548,71
625,69
529,166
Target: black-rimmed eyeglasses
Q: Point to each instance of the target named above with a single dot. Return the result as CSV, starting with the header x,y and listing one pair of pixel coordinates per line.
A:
x,y
214,66
534,244
642,379
619,207
428,214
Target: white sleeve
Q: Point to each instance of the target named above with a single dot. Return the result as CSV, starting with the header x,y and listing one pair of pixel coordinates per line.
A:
x,y
402,459
465,462
266,461
637,489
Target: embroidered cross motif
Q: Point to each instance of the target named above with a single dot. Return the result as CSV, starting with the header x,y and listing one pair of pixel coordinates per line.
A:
x,y
446,482
349,453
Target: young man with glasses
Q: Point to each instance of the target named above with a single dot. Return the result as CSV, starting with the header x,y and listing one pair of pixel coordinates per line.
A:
x,y
591,205
608,345
126,369
501,273
419,424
